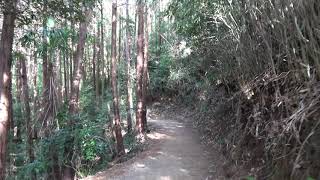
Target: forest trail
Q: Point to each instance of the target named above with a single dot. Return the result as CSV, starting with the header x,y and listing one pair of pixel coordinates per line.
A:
x,y
175,153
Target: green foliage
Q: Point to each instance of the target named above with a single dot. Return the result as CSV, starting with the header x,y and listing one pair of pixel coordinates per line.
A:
x,y
94,142
130,142
28,39
160,71
247,46
93,148
250,178
58,38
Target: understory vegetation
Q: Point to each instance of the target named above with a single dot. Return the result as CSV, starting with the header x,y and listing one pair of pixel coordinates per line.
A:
x,y
76,77
254,72
72,94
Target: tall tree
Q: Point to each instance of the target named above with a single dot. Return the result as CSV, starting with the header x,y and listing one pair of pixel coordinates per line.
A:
x,y
120,34
69,172
145,67
35,90
140,127
94,57
17,124
27,111
98,44
9,16
59,57
117,125
65,75
102,51
129,77
46,74
50,100
159,30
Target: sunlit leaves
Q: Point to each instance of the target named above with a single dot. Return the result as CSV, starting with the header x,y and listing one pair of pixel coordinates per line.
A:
x,y
50,22
28,39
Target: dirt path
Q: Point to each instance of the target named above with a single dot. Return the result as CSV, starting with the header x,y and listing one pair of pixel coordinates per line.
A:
x,y
176,153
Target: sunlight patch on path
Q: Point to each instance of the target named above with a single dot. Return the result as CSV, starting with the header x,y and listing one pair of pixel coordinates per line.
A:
x,y
176,155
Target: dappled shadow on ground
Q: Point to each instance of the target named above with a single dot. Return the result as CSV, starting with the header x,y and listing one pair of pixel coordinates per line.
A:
x,y
175,152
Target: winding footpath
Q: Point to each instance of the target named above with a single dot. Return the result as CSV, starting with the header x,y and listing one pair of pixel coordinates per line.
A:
x,y
175,154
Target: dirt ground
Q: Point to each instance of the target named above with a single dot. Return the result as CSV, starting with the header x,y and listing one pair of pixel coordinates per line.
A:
x,y
175,153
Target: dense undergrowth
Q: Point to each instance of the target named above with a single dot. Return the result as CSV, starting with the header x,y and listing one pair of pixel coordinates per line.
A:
x,y
94,142
250,68
253,76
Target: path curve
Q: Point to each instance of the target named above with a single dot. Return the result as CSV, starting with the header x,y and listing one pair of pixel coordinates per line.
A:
x,y
176,155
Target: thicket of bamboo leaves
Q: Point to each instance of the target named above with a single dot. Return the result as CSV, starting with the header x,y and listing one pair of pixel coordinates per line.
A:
x,y
259,64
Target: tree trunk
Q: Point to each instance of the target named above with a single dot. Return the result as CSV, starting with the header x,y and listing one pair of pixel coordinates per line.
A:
x,y
35,91
145,68
5,78
72,53
27,110
120,35
102,53
17,123
159,33
57,74
48,91
83,65
140,61
45,74
135,28
70,71
65,75
78,58
117,125
98,65
94,57
69,173
60,77
129,78
50,111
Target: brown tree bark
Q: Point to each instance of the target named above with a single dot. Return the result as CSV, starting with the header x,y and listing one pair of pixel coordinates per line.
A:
x,y
70,70
140,62
116,111
94,57
47,102
17,124
78,58
135,28
145,68
159,33
45,50
57,74
50,97
72,53
65,75
6,42
84,64
50,111
120,35
27,110
35,91
102,52
98,85
129,78
68,171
